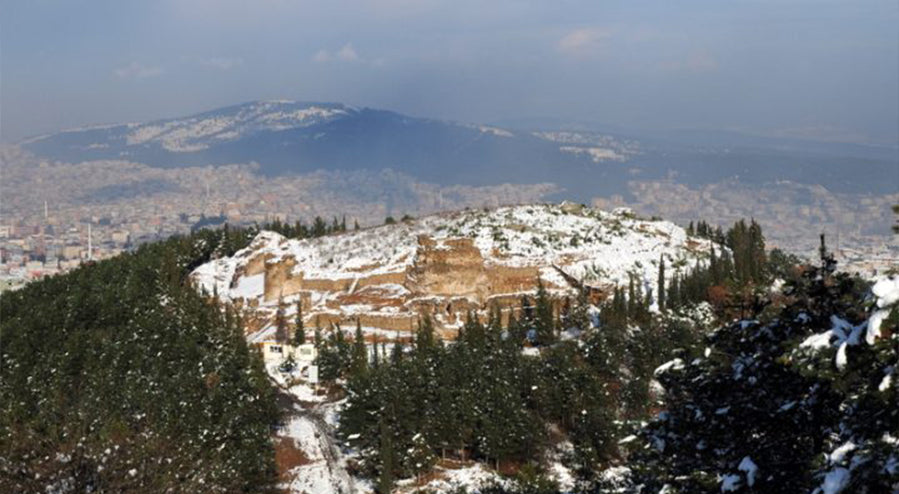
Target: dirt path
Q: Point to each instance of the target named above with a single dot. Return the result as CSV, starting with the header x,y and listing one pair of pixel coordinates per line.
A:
x,y
325,473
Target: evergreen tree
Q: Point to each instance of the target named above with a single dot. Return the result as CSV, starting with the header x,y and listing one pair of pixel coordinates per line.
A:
x,y
97,364
419,458
579,317
387,459
674,296
661,284
424,336
544,321
280,322
765,404
360,350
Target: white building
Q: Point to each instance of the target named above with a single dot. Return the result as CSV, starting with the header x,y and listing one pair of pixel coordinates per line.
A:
x,y
278,352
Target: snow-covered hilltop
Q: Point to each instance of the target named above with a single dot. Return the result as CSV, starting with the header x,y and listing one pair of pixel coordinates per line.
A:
x,y
448,264
201,131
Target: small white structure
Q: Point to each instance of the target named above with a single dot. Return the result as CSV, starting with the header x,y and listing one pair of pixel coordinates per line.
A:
x,y
274,352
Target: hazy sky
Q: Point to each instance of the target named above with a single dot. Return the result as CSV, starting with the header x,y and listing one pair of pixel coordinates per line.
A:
x,y
828,69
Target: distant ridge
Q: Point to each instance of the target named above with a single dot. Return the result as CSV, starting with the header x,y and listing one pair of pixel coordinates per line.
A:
x,y
288,137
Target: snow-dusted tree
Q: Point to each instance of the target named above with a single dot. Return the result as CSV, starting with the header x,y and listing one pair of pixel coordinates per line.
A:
x,y
419,457
767,409
858,361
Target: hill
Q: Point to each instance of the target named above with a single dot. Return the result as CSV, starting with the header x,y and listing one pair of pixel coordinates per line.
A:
x,y
296,137
288,137
448,264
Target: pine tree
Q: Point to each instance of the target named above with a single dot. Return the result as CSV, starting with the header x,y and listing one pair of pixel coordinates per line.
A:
x,y
280,322
661,284
424,337
419,458
761,409
387,457
578,316
674,296
543,316
360,351
632,300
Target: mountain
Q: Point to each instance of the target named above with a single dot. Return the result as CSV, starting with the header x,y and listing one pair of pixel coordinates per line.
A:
x,y
287,137
293,137
446,265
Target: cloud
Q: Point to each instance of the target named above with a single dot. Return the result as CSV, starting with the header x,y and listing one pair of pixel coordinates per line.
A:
x,y
346,54
584,41
222,63
135,70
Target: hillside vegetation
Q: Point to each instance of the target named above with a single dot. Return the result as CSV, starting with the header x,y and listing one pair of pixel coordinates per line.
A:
x,y
117,377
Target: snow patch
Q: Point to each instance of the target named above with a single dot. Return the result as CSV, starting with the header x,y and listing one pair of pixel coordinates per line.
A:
x,y
748,467
835,481
675,364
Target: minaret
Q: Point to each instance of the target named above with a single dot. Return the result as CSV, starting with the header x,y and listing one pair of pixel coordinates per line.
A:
x,y
46,211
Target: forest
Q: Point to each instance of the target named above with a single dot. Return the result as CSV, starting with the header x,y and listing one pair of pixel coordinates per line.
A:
x,y
120,377
485,397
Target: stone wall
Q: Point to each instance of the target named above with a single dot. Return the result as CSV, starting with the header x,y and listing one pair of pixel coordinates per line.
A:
x,y
446,280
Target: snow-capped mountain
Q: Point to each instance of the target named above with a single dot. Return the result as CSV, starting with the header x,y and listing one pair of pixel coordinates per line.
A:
x,y
288,137
448,264
197,132
297,137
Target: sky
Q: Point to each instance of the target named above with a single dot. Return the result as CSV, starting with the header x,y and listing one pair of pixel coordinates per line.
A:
x,y
820,69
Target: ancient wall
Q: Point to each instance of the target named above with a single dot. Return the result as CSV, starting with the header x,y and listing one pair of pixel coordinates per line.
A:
x,y
446,280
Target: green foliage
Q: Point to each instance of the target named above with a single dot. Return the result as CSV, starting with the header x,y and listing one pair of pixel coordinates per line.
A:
x,y
120,377
544,321
482,398
760,394
300,230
